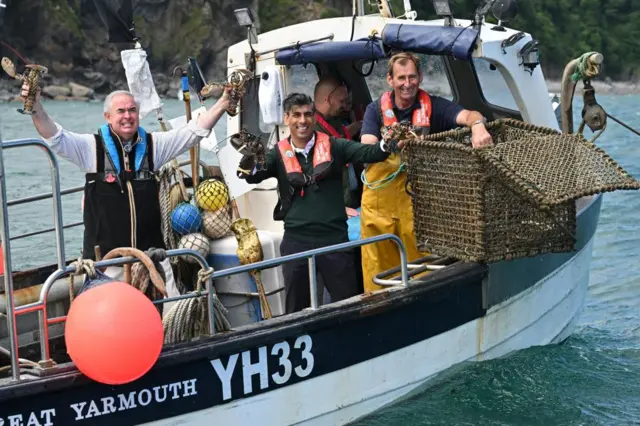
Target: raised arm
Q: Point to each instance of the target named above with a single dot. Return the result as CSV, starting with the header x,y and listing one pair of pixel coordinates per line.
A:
x,y
41,120
168,145
78,148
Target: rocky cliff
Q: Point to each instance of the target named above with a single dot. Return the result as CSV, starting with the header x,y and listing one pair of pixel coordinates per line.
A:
x,y
69,37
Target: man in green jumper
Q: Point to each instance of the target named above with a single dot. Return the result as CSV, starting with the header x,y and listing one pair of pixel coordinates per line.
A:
x,y
308,166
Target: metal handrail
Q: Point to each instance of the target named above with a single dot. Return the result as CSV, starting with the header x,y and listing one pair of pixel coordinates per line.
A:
x,y
56,193
46,195
67,191
5,237
311,255
41,305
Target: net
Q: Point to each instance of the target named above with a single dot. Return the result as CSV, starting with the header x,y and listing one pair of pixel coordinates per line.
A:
x,y
511,200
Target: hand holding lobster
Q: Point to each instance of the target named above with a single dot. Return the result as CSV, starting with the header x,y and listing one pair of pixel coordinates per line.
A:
x,y
252,151
397,133
235,88
30,93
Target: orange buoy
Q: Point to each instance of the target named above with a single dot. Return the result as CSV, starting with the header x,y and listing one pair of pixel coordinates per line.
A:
x,y
113,333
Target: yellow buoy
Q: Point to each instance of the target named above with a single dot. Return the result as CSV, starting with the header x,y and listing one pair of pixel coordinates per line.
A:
x,y
212,195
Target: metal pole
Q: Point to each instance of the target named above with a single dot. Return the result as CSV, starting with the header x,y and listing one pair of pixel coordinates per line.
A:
x,y
361,7
313,284
57,209
8,276
212,317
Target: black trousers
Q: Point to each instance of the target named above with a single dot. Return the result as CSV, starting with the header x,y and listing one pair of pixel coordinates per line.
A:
x,y
338,271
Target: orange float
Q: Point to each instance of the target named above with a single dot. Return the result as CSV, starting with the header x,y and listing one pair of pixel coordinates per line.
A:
x,y
113,333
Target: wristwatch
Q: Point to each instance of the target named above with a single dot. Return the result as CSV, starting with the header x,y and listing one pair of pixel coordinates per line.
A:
x,y
482,120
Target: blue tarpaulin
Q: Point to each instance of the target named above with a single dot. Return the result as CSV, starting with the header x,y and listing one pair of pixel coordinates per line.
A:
x,y
331,51
435,40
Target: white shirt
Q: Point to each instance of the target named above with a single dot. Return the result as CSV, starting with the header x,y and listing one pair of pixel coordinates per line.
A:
x,y
80,148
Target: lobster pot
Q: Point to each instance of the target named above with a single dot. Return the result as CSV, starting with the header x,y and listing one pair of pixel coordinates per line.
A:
x,y
511,200
243,309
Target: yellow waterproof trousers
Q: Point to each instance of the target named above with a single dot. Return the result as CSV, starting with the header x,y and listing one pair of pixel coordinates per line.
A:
x,y
385,210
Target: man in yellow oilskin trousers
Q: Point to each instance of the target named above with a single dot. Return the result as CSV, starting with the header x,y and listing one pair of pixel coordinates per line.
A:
x,y
386,206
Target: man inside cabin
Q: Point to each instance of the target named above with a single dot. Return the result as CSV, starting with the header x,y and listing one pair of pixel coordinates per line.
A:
x,y
386,206
308,166
331,100
119,162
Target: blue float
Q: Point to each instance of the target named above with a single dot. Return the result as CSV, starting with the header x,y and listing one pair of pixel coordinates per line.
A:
x,y
186,219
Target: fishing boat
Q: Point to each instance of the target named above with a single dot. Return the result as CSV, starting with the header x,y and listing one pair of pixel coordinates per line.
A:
x,y
335,362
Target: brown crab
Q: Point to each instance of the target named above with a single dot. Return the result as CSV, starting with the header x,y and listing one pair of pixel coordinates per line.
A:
x,y
236,81
31,77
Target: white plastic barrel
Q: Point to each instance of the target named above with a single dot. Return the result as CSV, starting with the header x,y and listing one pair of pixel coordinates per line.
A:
x,y
243,309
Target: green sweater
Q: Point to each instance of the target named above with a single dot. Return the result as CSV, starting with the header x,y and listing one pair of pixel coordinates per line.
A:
x,y
319,215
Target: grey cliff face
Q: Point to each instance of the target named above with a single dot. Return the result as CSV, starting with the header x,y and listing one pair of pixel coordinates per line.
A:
x,y
69,38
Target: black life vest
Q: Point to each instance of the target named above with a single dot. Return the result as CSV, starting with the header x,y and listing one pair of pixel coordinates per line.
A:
x,y
107,214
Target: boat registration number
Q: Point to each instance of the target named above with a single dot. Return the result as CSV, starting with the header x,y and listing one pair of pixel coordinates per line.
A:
x,y
271,366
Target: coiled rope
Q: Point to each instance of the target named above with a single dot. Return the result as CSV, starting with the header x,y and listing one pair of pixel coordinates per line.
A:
x,y
170,171
188,318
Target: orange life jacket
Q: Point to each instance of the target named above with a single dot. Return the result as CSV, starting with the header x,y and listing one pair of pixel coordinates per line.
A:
x,y
421,116
322,161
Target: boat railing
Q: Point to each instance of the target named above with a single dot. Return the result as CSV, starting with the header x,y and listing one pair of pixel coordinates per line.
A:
x,y
67,191
41,305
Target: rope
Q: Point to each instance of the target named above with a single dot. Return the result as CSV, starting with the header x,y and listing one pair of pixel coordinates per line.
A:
x,y
382,182
23,363
141,278
585,69
132,208
166,174
188,318
82,266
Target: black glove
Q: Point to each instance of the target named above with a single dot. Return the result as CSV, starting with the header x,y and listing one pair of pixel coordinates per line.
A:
x,y
246,166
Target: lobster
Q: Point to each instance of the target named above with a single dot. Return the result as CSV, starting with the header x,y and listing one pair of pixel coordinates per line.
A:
x,y
399,132
236,82
31,77
249,145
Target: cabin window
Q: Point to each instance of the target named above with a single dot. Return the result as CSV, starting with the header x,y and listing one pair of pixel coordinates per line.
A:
x,y
434,77
493,85
302,79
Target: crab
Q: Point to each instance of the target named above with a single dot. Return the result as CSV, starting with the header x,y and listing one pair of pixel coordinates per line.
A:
x,y
236,82
31,76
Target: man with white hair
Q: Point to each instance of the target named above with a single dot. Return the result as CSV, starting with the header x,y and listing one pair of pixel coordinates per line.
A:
x,y
121,204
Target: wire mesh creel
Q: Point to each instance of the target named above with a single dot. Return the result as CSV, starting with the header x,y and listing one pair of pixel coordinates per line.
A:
x,y
513,199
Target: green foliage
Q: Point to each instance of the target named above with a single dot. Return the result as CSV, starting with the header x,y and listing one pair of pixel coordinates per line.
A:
x,y
66,13
565,28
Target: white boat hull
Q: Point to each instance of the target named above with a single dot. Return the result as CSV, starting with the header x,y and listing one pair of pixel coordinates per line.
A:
x,y
543,314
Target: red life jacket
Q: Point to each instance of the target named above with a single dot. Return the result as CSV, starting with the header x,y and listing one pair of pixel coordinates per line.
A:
x,y
328,127
322,161
421,116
